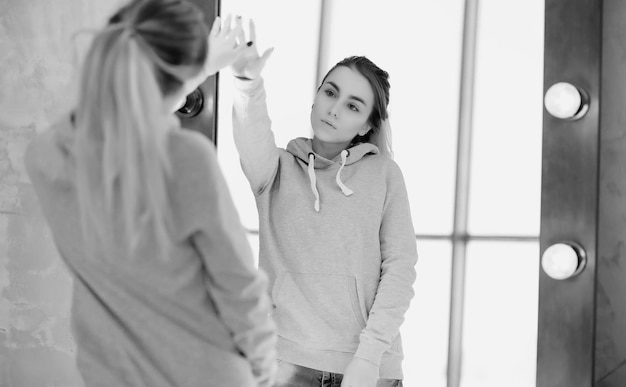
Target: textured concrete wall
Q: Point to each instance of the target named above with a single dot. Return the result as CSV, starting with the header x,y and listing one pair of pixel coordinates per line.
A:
x,y
36,78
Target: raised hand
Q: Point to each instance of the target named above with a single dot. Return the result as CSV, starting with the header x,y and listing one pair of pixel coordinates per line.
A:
x,y
226,44
249,64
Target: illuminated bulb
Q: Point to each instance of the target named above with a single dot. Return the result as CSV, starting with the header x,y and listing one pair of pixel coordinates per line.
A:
x,y
563,100
561,261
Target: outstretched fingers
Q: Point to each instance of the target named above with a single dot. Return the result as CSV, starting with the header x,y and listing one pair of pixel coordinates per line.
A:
x,y
238,33
266,54
226,27
252,29
217,26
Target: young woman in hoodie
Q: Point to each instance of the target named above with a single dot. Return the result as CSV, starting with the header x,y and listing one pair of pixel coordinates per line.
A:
x,y
336,235
166,292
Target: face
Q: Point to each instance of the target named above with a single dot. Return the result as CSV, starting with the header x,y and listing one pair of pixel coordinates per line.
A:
x,y
342,106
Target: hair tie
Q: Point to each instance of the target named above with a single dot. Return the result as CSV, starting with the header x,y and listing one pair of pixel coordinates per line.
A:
x,y
126,27
181,72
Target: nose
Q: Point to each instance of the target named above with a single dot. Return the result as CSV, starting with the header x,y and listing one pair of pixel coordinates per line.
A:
x,y
333,110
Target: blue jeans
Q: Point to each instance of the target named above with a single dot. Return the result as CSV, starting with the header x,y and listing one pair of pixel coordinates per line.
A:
x,y
291,375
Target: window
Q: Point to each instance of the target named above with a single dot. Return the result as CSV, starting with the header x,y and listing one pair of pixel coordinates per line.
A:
x,y
421,48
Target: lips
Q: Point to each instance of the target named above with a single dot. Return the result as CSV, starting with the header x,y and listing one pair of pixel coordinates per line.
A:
x,y
329,124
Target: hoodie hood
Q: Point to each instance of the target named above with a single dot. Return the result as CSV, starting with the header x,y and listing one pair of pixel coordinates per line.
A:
x,y
302,148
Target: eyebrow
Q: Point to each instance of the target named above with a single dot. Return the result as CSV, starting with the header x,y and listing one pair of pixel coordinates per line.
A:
x,y
333,84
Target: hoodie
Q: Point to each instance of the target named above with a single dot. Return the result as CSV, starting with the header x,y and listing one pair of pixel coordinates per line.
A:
x,y
337,242
201,317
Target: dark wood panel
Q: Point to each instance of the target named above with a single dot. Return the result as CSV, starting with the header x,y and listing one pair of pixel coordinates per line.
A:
x,y
569,195
206,121
610,351
615,378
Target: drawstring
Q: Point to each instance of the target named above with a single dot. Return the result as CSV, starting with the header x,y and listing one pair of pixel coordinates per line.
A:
x,y
313,180
346,191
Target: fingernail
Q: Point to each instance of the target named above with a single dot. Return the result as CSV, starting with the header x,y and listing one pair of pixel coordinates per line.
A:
x,y
249,43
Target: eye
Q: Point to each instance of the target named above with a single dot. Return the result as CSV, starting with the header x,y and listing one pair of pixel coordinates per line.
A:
x,y
353,107
329,92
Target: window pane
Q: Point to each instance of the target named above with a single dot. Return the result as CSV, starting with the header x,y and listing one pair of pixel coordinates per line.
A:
x,y
506,154
289,81
419,44
425,330
500,326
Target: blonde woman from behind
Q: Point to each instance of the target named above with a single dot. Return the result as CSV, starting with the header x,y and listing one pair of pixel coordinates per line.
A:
x,y
166,292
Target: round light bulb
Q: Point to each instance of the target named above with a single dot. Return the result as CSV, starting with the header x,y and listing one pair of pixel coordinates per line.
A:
x,y
564,100
562,260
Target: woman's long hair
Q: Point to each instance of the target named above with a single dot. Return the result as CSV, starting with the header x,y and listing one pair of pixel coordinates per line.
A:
x,y
121,153
380,134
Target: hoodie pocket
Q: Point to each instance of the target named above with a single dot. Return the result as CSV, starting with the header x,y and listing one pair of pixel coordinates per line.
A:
x,y
318,311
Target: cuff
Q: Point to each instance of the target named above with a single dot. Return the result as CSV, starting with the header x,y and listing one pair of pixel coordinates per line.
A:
x,y
370,350
247,84
243,82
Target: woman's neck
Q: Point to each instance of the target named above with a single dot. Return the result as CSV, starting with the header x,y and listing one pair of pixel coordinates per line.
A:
x,y
328,150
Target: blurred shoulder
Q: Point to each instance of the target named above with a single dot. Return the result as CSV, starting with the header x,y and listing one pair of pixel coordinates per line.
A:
x,y
49,152
190,146
193,161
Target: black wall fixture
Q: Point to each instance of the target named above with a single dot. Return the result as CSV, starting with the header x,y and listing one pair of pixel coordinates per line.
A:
x,y
200,109
582,315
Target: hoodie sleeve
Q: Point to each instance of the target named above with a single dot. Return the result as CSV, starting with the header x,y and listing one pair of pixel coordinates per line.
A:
x,y
238,289
253,135
399,256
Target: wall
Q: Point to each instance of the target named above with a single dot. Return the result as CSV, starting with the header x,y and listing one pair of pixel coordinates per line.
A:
x,y
610,337
36,74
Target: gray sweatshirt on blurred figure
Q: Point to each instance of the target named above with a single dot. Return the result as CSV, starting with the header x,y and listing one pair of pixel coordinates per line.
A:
x,y
201,318
341,277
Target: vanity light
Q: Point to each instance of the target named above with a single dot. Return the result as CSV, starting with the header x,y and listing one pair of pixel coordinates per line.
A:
x,y
563,260
193,104
565,101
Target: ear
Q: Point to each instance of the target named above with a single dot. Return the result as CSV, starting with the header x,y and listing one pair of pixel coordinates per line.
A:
x,y
366,129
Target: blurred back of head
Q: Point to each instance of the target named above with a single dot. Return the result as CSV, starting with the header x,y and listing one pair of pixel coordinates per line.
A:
x,y
146,52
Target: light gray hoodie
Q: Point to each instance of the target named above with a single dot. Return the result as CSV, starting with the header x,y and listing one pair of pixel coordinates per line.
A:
x,y
201,318
336,239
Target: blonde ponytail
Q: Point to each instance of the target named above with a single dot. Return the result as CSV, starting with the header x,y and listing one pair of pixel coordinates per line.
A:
x,y
121,147
147,52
